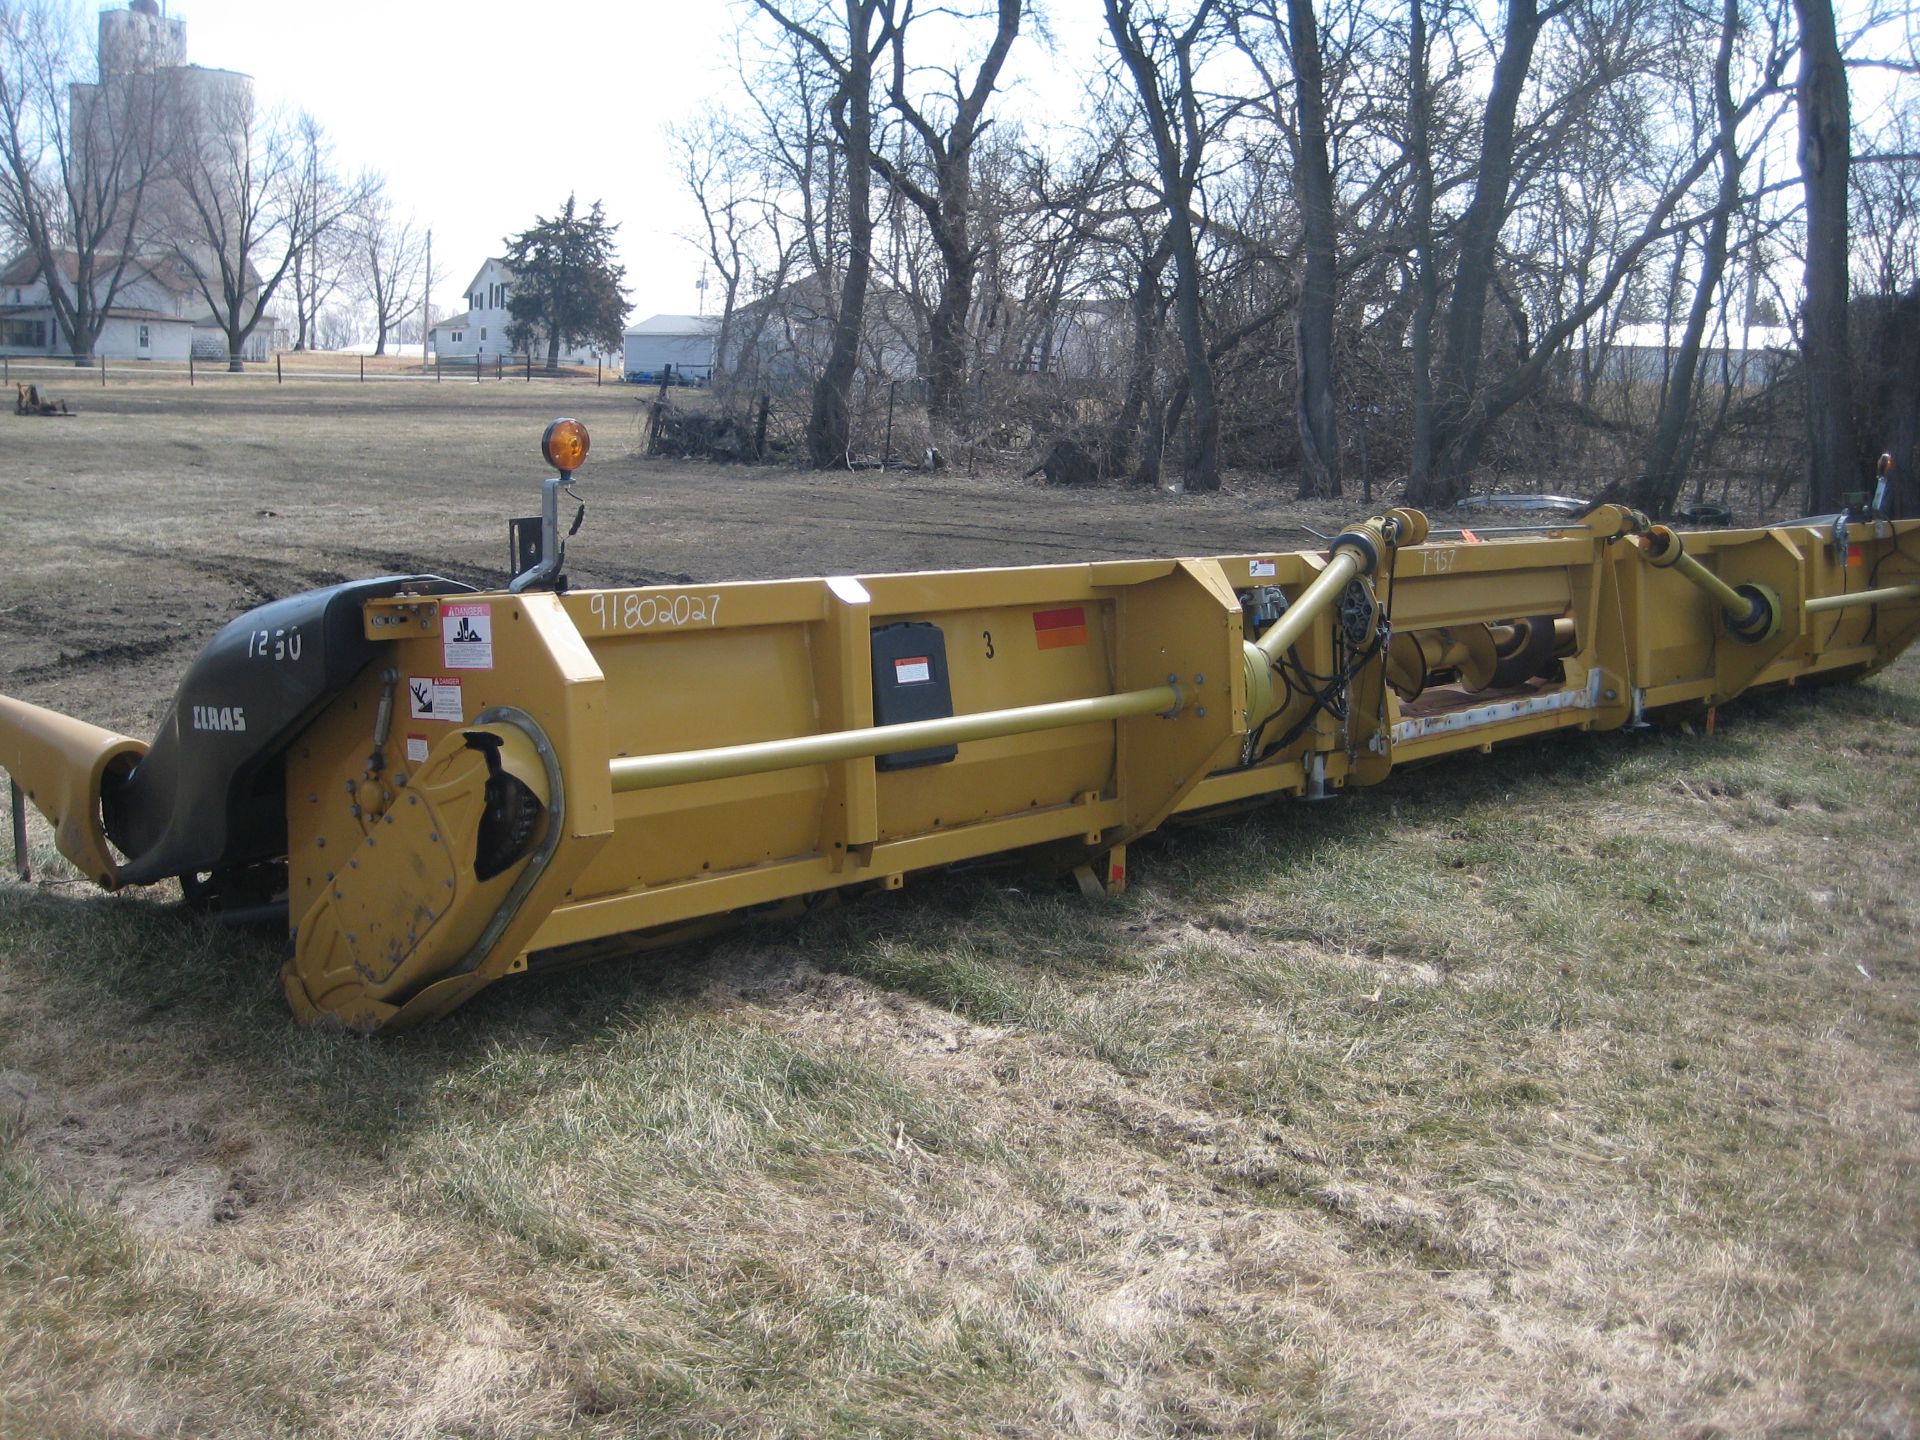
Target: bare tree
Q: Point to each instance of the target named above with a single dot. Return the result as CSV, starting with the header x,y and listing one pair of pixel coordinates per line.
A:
x,y
1162,60
1670,452
389,254
78,161
335,328
732,184
249,184
1492,201
1312,184
849,45
1603,96
322,264
946,198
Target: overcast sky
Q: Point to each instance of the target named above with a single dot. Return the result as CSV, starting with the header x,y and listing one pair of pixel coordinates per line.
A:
x,y
483,115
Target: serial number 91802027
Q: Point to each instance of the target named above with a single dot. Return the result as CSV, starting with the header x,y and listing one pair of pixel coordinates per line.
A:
x,y
631,610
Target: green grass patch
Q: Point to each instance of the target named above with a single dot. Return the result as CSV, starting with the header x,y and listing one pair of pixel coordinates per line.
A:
x,y
1587,1061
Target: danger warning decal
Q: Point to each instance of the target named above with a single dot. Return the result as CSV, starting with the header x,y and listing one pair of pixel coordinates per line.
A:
x,y
1055,628
434,697
466,636
912,672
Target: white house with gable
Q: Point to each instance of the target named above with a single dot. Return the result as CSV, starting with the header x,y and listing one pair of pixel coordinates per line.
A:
x,y
152,317
481,329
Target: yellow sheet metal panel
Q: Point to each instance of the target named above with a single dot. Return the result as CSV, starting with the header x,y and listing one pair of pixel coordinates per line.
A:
x,y
999,658
1439,598
61,764
689,690
392,923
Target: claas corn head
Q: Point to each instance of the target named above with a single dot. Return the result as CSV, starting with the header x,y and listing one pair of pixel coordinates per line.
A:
x,y
438,787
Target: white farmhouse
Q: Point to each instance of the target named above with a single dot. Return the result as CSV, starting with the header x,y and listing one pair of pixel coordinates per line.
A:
x,y
152,317
481,329
685,342
158,313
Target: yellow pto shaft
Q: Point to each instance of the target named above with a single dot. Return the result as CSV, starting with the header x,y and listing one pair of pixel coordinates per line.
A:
x,y
1355,552
650,772
1887,595
1752,611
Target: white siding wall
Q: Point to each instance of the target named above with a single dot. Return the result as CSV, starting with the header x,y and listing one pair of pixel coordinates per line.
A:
x,y
649,354
169,340
445,344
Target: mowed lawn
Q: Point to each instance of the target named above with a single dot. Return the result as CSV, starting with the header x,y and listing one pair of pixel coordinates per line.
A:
x,y
1569,1090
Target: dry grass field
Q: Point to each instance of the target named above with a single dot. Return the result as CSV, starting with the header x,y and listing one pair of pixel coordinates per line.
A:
x,y
1570,1090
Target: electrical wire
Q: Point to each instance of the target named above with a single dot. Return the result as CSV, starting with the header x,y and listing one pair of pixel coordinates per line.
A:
x,y
1325,694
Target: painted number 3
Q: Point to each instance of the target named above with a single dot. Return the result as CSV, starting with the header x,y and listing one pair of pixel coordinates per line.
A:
x,y
987,635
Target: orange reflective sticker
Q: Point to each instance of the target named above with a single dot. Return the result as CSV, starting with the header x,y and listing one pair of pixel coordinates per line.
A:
x,y
1053,629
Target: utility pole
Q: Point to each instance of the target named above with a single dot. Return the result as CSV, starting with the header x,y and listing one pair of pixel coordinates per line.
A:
x,y
426,302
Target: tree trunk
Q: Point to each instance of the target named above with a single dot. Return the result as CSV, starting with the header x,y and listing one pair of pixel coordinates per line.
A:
x,y
830,425
1426,273
1125,440
1893,394
1456,439
1824,155
947,331
299,303
1671,451
1173,120
1314,406
1201,462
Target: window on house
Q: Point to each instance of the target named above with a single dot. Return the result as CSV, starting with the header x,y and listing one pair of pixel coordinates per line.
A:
x,y
483,332
146,338
24,333
458,336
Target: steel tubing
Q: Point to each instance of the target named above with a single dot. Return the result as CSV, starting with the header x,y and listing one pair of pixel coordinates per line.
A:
x,y
1886,596
648,772
1737,606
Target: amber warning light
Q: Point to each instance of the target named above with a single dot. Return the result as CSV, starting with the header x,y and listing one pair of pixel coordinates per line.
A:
x,y
565,445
